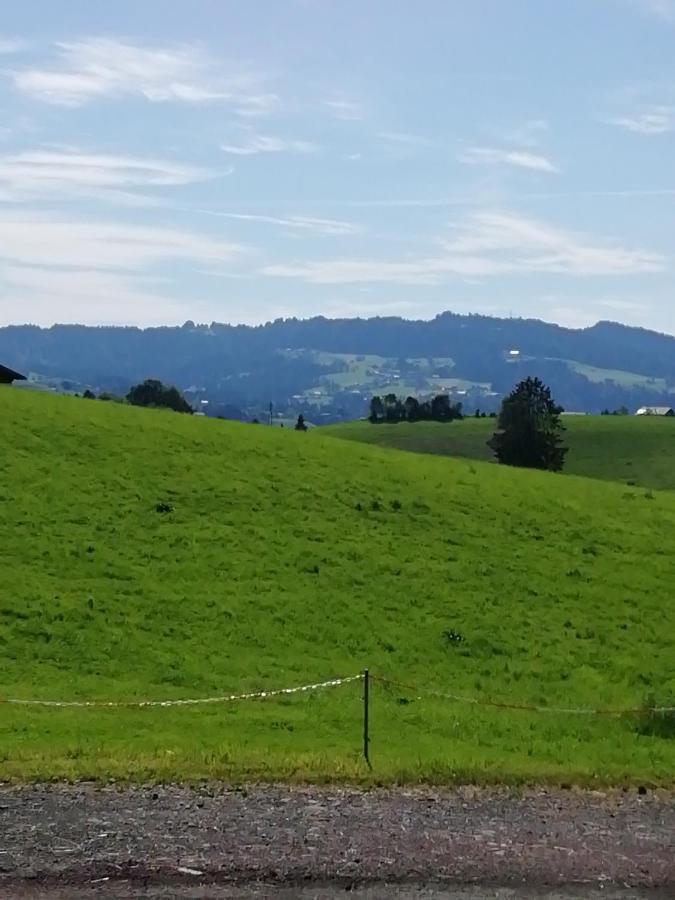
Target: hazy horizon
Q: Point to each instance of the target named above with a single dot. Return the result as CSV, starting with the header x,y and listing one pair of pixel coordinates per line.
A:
x,y
232,324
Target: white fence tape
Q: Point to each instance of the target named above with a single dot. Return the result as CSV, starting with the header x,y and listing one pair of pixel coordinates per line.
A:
x,y
226,698
333,682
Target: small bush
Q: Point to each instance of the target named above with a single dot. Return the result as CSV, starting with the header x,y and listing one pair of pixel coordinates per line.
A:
x,y
656,719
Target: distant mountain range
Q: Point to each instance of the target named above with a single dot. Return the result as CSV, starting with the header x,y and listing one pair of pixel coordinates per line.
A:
x,y
328,368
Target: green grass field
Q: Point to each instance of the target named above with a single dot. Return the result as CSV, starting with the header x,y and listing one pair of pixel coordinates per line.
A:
x,y
287,558
625,379
615,448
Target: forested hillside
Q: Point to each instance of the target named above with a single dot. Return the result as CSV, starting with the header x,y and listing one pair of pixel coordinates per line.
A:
x,y
331,367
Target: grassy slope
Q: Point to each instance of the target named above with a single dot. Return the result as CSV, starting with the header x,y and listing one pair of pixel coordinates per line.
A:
x,y
615,448
266,573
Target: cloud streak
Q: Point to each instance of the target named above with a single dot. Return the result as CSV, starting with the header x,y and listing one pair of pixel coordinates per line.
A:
x,y
345,110
520,159
40,173
662,9
327,227
489,244
36,240
652,121
88,295
103,67
254,144
12,45
54,268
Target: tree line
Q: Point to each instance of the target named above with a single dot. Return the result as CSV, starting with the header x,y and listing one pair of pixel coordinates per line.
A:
x,y
391,408
151,393
529,428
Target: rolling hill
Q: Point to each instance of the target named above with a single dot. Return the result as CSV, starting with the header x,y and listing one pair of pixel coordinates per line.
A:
x,y
147,555
632,450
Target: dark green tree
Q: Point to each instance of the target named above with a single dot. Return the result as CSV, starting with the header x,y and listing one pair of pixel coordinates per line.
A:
x,y
440,408
412,409
529,430
301,425
390,412
154,393
424,411
444,411
376,410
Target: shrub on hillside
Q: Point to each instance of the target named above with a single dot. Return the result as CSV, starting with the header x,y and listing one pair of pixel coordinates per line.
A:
x,y
656,720
154,393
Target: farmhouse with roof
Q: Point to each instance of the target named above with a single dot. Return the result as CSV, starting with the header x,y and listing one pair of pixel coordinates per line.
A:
x,y
7,376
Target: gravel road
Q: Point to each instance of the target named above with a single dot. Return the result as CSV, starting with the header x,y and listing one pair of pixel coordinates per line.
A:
x,y
81,841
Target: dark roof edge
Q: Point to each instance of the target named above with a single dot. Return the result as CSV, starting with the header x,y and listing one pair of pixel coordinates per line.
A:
x,y
15,376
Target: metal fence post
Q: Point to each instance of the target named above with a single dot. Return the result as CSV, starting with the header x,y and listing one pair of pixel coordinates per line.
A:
x,y
366,716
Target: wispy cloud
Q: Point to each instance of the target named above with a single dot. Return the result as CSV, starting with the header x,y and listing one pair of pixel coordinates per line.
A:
x,y
252,144
355,271
529,134
628,193
521,159
650,121
346,110
103,67
508,242
662,9
403,145
85,295
38,173
488,244
405,139
55,269
12,45
37,240
327,227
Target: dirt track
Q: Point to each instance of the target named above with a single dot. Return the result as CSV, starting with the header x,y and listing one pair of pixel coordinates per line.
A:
x,y
73,841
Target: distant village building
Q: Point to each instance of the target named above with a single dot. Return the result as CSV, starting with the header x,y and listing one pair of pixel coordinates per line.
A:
x,y
656,411
7,376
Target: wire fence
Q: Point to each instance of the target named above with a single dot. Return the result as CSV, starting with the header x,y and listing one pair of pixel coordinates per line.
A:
x,y
225,698
366,678
526,707
420,693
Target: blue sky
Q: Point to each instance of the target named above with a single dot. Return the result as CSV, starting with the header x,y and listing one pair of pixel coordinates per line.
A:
x,y
241,161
